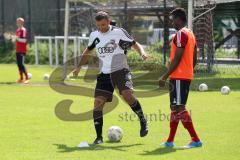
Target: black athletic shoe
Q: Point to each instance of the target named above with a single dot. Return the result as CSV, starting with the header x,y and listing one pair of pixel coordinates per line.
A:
x,y
98,140
144,129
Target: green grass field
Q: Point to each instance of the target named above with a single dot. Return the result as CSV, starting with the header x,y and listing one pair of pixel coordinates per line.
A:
x,y
30,130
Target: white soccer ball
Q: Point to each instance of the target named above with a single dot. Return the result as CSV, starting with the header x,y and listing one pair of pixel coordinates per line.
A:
x,y
225,90
67,77
46,77
203,87
29,75
115,134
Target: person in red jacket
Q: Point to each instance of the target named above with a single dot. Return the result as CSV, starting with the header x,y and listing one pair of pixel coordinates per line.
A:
x,y
21,50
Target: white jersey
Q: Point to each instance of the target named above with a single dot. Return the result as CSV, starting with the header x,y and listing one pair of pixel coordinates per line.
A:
x,y
111,48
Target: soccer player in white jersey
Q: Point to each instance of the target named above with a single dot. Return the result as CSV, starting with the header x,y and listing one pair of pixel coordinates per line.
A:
x,y
111,45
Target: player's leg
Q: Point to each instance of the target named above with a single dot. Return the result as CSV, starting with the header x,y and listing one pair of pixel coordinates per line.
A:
x,y
137,109
103,94
174,121
122,79
98,117
24,69
183,114
19,61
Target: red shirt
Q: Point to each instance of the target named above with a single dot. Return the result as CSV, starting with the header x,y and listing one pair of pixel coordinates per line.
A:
x,y
184,38
181,38
21,47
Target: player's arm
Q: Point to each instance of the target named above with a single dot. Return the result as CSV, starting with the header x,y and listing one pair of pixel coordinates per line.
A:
x,y
83,60
127,41
180,41
175,62
22,40
23,37
86,53
138,47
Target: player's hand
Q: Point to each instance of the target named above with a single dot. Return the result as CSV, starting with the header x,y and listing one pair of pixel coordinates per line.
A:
x,y
162,81
14,38
144,56
76,72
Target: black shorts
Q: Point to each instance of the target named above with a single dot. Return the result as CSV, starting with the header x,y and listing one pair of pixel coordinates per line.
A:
x,y
179,90
107,82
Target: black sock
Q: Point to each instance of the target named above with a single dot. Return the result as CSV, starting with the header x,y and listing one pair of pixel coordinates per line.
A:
x,y
98,122
136,107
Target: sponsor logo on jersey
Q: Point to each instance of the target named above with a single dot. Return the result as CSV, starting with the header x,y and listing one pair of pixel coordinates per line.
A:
x,y
108,47
103,50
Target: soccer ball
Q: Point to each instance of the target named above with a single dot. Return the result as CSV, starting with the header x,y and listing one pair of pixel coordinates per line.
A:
x,y
203,87
225,90
115,134
29,75
67,77
46,77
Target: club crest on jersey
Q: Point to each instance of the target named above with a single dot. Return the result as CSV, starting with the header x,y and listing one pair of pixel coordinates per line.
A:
x,y
108,47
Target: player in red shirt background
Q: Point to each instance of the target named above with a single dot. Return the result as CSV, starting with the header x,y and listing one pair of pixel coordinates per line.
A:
x,y
21,50
183,58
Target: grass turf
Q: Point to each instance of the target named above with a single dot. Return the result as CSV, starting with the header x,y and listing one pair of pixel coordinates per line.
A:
x,y
31,131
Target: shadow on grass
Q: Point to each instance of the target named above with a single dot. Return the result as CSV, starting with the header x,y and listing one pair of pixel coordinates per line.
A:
x,y
159,151
64,148
164,150
7,83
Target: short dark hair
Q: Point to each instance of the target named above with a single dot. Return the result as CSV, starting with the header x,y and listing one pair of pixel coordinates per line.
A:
x,y
101,15
180,13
